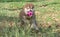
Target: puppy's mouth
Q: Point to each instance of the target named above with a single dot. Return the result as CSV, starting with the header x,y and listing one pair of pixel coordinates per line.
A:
x,y
30,13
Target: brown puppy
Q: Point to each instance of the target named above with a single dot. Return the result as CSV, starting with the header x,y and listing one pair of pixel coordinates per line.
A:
x,y
28,13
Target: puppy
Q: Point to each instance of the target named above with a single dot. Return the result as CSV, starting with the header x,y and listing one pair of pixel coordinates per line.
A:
x,y
28,13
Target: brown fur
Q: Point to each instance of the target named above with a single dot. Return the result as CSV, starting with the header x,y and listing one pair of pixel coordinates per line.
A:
x,y
24,17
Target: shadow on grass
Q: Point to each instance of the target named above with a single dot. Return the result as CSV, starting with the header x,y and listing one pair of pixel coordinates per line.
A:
x,y
8,18
21,0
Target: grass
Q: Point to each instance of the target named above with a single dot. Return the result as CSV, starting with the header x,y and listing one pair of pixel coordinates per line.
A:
x,y
47,16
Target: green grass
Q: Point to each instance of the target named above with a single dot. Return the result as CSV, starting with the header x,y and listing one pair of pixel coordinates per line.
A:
x,y
48,19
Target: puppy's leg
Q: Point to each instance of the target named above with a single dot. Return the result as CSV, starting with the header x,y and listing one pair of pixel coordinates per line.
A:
x,y
23,22
34,24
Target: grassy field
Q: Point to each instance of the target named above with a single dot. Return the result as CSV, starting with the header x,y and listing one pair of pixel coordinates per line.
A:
x,y
47,16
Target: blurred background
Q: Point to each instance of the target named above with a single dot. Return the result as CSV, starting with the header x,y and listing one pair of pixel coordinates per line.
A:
x,y
47,16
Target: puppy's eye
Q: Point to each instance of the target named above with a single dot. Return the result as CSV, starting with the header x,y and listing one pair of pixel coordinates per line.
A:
x,y
28,7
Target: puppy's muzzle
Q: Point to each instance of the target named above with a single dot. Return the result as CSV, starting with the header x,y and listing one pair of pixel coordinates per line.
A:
x,y
30,13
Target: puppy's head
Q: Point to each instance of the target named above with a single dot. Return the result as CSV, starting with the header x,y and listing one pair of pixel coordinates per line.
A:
x,y
28,9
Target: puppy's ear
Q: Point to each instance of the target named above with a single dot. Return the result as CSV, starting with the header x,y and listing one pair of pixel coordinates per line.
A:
x,y
31,5
28,5
25,6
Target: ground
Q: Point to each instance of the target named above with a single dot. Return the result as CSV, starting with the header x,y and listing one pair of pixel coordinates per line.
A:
x,y
47,16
